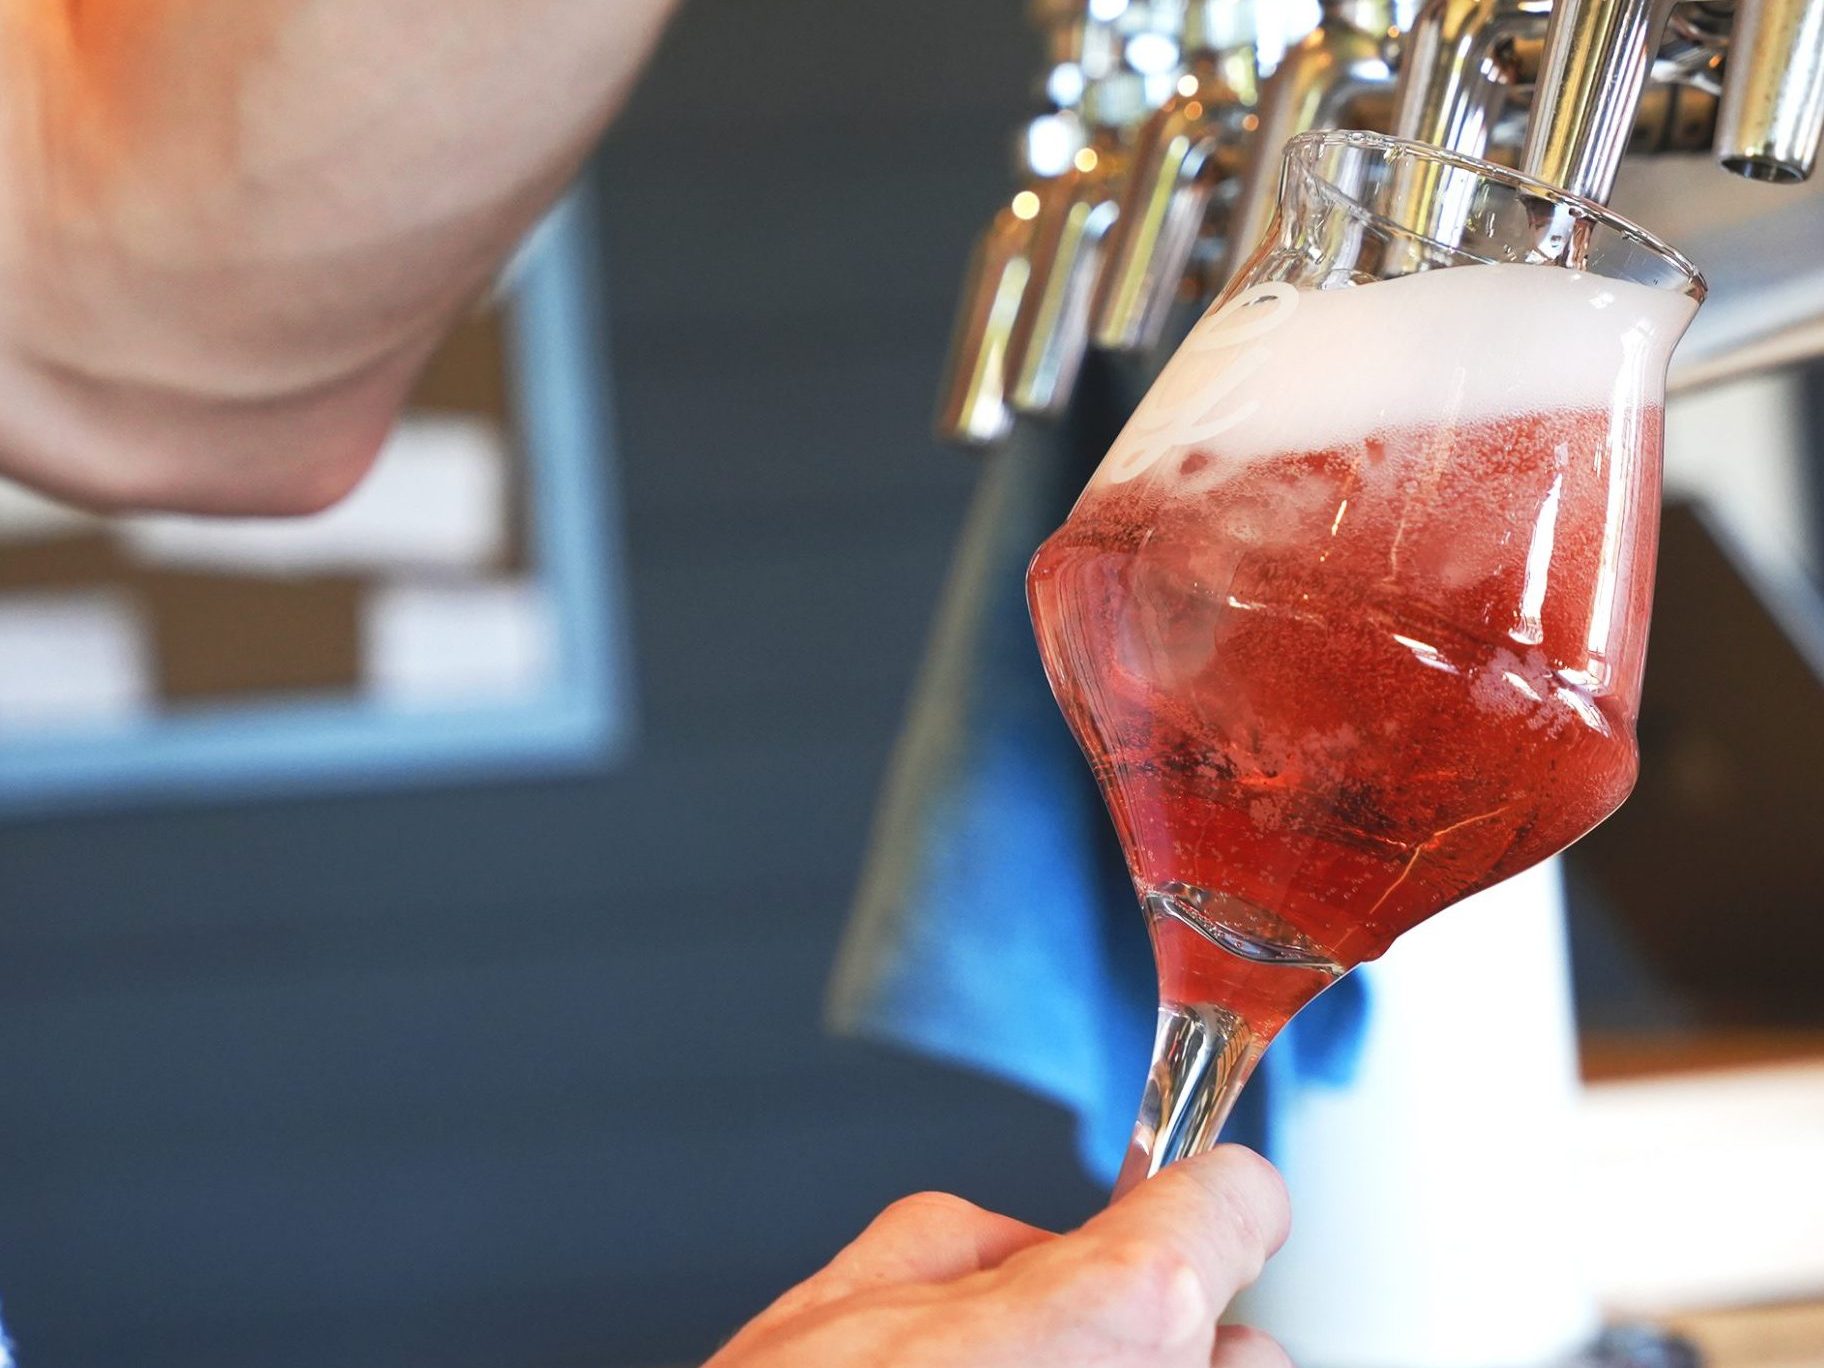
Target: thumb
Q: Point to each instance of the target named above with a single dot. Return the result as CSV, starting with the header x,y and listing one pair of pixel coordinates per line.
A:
x,y
929,1237
1225,1212
1152,1273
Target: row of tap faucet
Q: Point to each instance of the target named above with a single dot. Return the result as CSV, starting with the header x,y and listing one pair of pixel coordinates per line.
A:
x,y
1153,166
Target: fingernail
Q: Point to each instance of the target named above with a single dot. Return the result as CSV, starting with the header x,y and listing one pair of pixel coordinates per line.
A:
x,y
1187,1308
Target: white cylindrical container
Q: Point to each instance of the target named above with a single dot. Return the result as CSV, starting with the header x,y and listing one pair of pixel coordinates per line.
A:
x,y
1436,1194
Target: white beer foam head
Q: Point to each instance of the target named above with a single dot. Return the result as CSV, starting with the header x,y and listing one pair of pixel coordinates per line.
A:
x,y
1280,369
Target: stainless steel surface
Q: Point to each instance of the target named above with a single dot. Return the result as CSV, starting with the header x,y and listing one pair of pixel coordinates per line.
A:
x,y
1773,103
1228,32
1178,161
1336,76
1692,49
1182,154
1597,53
1174,113
1459,66
1051,331
972,406
1078,206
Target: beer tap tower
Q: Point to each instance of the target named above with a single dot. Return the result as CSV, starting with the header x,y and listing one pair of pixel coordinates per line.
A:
x,y
1179,110
1438,1226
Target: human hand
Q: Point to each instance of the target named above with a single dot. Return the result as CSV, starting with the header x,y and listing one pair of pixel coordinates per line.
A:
x,y
936,1282
232,231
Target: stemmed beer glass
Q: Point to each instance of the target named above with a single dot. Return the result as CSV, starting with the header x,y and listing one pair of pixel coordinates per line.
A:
x,y
1350,621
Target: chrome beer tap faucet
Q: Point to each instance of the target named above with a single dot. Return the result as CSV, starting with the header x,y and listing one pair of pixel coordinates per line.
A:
x,y
1459,65
1023,324
974,405
1184,154
1591,73
1469,67
1337,76
1773,102
1078,208
1113,217
1468,70
1075,212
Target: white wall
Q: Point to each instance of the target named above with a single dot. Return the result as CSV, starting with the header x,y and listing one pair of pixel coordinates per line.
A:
x,y
1739,447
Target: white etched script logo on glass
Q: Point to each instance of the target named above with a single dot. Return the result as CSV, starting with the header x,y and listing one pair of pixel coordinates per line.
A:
x,y
1197,396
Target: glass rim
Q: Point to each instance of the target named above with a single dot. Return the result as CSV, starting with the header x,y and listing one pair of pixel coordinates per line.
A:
x,y
1301,150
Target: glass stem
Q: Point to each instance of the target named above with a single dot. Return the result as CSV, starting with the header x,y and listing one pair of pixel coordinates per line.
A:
x,y
1201,1057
